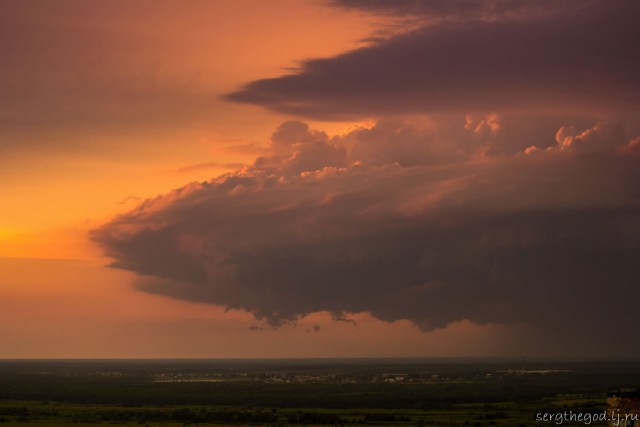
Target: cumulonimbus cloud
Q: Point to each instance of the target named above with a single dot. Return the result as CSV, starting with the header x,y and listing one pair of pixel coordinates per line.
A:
x,y
549,238
576,56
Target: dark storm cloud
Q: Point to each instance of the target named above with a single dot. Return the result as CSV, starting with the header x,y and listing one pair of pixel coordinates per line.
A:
x,y
579,59
549,239
439,10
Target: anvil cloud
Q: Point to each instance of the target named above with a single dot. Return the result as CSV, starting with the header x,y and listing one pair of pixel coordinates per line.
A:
x,y
497,56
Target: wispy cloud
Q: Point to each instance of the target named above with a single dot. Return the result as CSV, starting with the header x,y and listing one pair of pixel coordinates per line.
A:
x,y
208,165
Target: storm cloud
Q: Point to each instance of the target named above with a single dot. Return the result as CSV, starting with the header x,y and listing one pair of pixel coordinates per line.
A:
x,y
498,185
485,56
549,239
464,10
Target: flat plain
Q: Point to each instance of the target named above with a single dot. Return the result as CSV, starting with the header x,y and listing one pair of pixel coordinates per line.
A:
x,y
338,392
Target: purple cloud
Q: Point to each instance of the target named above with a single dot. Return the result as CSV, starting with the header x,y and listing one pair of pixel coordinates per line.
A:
x,y
580,59
549,239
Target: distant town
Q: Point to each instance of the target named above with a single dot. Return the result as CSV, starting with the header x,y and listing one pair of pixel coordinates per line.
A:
x,y
332,378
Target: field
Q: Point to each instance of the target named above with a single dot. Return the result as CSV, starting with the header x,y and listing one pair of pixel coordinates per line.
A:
x,y
177,393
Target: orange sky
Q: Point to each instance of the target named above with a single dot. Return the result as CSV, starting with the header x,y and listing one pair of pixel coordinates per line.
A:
x,y
129,96
105,104
126,106
63,308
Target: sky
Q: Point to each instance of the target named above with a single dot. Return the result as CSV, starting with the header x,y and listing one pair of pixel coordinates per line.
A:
x,y
319,178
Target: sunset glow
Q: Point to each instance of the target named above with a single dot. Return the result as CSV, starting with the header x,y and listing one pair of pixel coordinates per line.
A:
x,y
318,178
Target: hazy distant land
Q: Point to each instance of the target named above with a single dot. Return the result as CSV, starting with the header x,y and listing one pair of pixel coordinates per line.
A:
x,y
444,392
